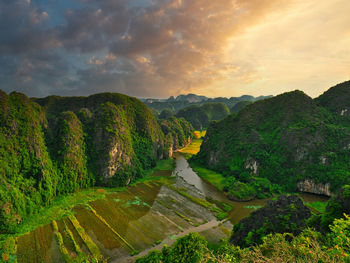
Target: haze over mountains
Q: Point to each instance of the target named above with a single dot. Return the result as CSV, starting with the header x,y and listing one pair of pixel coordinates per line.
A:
x,y
182,101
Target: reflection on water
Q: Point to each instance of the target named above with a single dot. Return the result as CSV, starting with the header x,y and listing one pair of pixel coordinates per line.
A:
x,y
241,209
184,170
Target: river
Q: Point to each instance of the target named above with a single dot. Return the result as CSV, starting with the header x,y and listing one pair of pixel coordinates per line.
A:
x,y
141,218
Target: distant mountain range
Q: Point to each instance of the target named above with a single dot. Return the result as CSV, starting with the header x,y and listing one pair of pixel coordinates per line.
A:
x,y
182,101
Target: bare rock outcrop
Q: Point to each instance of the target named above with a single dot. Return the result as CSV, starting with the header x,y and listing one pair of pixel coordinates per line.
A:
x,y
309,186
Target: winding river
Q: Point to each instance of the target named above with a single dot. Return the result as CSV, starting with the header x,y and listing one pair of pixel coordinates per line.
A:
x,y
141,218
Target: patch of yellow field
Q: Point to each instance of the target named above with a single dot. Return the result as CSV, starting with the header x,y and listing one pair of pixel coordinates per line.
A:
x,y
199,134
196,143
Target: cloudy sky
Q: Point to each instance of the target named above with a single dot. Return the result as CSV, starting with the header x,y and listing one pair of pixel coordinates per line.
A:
x,y
158,48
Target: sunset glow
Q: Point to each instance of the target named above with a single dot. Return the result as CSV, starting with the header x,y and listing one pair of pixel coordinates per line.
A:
x,y
161,48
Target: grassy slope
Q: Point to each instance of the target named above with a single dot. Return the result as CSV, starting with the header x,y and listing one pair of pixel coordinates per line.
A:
x,y
210,176
192,148
319,206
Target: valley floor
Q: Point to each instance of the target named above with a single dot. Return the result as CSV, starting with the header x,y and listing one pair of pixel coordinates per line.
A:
x,y
121,224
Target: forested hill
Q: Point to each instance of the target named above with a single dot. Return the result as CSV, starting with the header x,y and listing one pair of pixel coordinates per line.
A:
x,y
56,145
336,99
290,139
201,116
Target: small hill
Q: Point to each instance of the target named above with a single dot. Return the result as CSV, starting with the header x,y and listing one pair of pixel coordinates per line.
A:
x,y
191,98
287,214
336,99
240,105
177,131
201,116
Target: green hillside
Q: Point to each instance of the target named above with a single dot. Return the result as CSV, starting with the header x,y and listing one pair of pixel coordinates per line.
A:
x,y
240,105
336,99
286,139
201,116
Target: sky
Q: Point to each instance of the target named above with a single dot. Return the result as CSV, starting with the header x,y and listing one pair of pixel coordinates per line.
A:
x,y
159,48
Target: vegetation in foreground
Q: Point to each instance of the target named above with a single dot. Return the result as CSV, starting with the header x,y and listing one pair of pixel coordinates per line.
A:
x,y
308,246
305,246
283,231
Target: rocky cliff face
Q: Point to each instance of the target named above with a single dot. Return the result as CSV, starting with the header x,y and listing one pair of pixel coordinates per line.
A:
x,y
177,132
111,140
122,136
309,186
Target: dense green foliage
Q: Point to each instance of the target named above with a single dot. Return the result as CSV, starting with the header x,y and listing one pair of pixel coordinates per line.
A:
x,y
28,178
201,116
68,152
285,215
285,139
308,246
56,145
241,187
188,249
337,206
240,105
166,114
177,131
336,99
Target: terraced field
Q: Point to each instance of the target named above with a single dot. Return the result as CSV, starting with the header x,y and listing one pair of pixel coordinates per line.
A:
x,y
121,225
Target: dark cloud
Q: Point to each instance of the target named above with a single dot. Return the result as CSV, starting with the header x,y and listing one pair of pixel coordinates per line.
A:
x,y
23,29
149,48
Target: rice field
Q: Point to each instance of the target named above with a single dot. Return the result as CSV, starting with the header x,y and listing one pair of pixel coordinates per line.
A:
x,y
117,226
